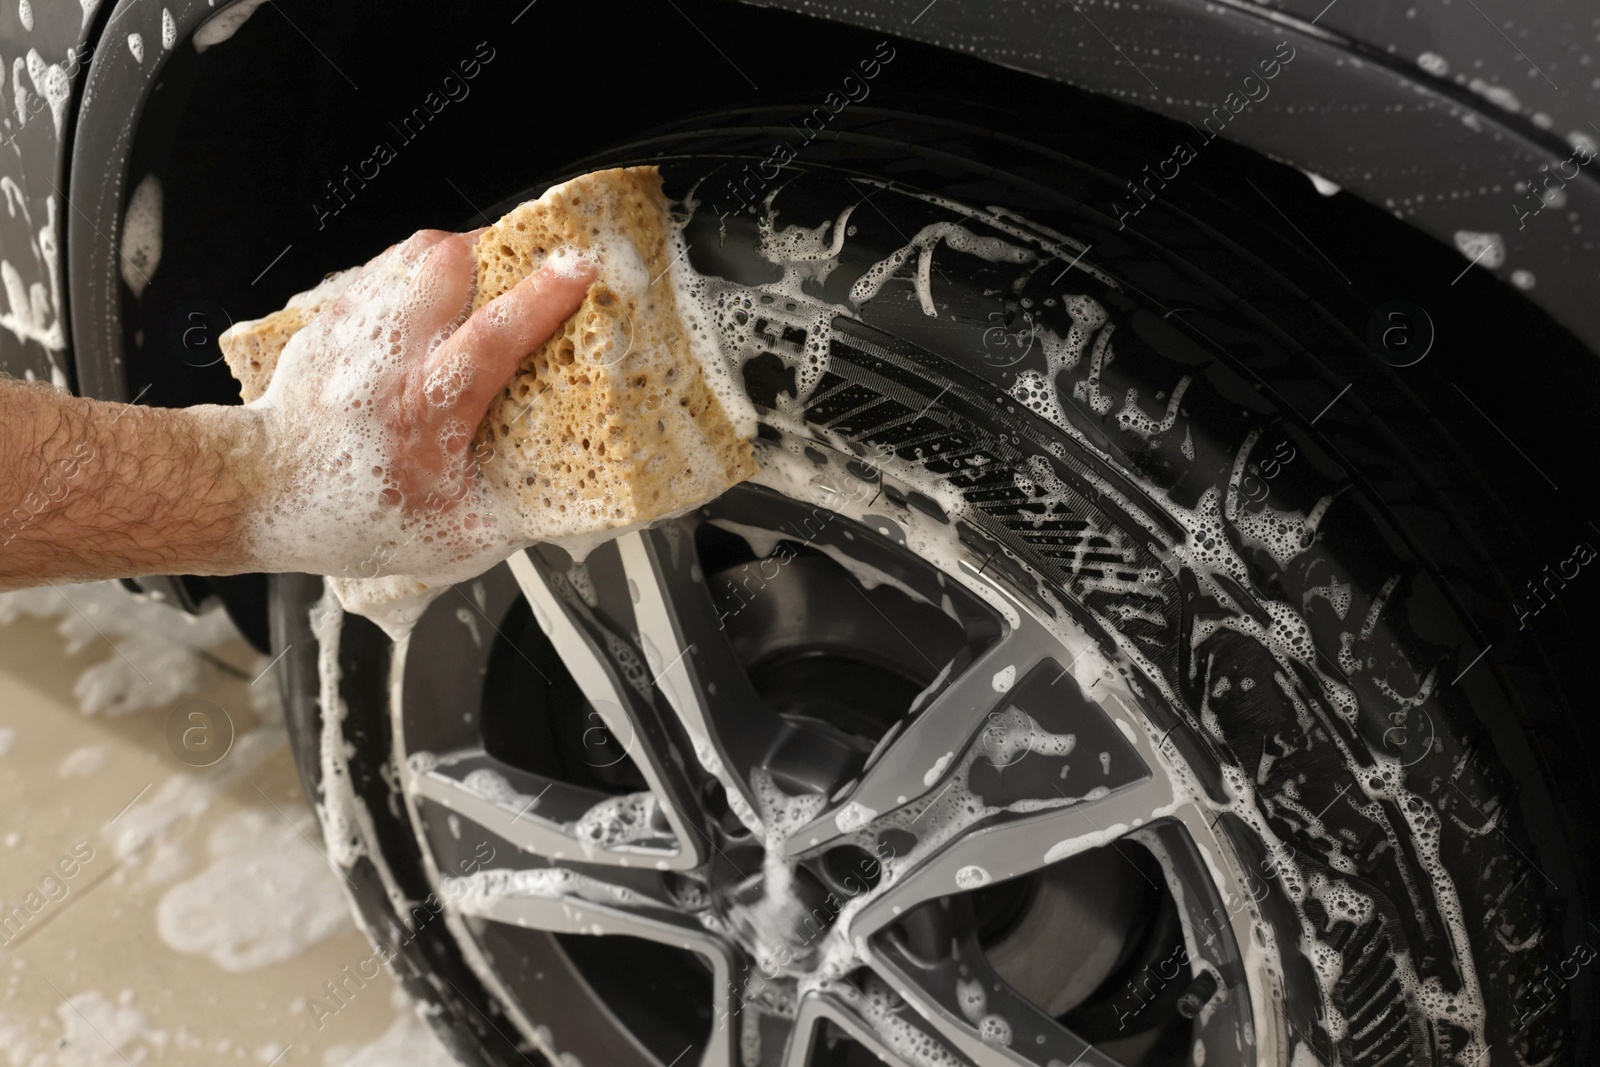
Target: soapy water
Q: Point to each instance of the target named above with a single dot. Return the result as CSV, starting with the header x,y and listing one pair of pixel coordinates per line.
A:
x,y
974,1003
492,785
884,1011
778,911
619,821
555,883
722,316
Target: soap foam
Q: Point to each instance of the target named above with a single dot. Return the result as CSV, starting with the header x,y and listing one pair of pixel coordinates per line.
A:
x,y
141,235
265,898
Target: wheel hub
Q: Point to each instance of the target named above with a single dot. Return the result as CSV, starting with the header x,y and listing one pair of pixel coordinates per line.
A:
x,y
779,918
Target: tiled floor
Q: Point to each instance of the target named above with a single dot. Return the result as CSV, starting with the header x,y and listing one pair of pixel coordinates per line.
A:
x,y
155,913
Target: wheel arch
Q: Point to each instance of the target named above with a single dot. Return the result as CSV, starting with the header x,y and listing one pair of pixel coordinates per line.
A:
x,y
126,122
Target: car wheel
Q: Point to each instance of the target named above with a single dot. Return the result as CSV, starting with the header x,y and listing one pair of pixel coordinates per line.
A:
x,y
1080,682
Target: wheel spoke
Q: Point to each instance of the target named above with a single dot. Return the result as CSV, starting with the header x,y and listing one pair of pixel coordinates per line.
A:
x,y
922,757
562,901
693,663
1022,797
1009,844
1223,932
546,817
589,651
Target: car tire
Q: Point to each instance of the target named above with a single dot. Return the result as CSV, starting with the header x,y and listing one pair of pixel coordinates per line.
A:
x,y
1183,445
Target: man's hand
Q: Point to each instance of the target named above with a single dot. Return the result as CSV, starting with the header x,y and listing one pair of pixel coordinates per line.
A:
x,y
355,463
373,407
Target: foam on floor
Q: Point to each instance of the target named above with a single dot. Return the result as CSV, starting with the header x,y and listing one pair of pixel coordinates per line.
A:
x,y
265,898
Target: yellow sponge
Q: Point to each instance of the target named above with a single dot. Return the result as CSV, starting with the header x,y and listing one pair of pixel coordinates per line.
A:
x,y
612,421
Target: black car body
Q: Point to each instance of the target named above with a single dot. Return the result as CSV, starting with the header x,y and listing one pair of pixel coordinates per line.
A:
x,y
1454,122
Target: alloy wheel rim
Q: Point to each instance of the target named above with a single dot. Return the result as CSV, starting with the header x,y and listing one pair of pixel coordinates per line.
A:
x,y
663,864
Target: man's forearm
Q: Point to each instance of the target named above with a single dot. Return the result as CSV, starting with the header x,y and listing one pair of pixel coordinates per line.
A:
x,y
91,490
356,463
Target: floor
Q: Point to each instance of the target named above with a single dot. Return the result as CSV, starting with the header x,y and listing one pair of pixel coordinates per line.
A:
x,y
153,911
